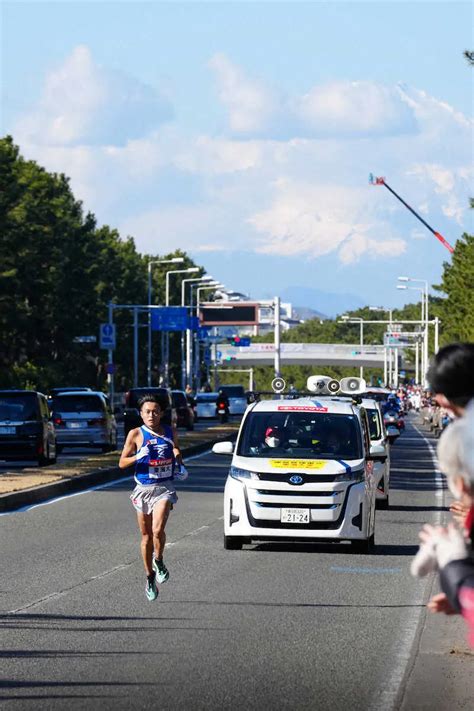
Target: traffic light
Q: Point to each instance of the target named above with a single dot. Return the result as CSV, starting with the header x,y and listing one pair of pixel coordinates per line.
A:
x,y
238,341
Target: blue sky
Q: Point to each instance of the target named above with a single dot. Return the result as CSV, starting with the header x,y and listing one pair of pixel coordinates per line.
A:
x,y
244,132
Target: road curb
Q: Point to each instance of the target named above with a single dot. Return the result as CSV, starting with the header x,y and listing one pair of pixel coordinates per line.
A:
x,y
37,494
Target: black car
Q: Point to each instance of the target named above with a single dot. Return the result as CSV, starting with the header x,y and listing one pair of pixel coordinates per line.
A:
x,y
184,411
26,427
131,415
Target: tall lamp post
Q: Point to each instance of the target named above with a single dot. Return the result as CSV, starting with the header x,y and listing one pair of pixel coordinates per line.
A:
x,y
424,318
189,270
151,262
356,319
426,296
184,349
387,352
190,376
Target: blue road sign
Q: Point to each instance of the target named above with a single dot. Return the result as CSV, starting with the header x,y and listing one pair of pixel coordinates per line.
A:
x,y
107,336
170,318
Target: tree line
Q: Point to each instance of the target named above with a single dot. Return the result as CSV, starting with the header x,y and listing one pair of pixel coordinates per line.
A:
x,y
59,270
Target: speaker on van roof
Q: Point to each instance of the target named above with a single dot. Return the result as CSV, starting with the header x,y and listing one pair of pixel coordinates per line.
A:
x,y
353,386
322,385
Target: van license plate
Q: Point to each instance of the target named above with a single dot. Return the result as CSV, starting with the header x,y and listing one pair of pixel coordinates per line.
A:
x,y
294,516
7,430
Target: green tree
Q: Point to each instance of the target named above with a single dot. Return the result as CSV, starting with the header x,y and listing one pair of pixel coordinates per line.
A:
x,y
456,310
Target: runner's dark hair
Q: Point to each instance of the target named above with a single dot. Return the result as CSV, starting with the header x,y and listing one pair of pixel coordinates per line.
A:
x,y
157,399
451,373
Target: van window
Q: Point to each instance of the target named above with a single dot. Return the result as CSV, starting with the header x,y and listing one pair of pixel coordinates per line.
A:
x,y
233,390
18,406
374,423
305,435
78,403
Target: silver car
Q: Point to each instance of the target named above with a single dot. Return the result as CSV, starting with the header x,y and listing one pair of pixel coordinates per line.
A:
x,y
84,419
206,405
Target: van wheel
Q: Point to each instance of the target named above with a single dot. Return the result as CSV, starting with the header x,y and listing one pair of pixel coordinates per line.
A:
x,y
233,543
383,503
59,448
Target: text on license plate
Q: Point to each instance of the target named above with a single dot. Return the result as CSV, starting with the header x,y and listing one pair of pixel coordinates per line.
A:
x,y
7,430
76,425
294,516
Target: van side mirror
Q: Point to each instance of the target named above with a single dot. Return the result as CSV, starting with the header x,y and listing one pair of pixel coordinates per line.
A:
x,y
377,453
223,448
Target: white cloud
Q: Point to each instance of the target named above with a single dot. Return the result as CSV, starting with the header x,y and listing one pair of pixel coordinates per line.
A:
x,y
311,221
338,108
250,190
84,103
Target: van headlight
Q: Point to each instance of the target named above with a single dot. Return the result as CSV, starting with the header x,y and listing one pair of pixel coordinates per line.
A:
x,y
351,475
240,474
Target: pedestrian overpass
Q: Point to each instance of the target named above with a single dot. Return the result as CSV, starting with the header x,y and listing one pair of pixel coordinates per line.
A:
x,y
317,354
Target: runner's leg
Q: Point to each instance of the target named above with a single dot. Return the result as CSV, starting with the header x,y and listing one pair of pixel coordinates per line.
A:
x,y
146,529
160,515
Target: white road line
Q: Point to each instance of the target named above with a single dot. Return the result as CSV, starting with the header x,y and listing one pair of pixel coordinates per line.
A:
x,y
387,697
112,571
30,507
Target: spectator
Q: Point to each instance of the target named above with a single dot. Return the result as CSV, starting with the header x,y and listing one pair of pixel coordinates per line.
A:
x,y
451,376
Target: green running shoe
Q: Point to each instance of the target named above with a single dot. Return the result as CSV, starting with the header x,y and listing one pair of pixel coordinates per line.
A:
x,y
151,591
162,572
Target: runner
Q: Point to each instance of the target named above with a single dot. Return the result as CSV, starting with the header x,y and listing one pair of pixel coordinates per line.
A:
x,y
153,449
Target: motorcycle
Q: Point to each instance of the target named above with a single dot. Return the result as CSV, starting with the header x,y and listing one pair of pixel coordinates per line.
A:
x,y
222,412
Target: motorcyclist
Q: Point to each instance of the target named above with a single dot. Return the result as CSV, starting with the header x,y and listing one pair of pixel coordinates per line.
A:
x,y
222,401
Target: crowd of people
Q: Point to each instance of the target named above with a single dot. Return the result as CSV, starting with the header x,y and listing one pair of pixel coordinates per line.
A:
x,y
448,549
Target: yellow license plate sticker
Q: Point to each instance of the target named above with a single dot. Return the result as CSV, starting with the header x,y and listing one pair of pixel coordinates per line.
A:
x,y
297,463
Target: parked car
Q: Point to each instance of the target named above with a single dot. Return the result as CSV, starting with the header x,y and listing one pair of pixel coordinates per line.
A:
x,y
84,419
131,414
237,398
26,427
206,405
184,411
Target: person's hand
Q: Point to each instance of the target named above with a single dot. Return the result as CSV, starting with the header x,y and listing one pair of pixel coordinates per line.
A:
x,y
459,511
143,452
425,561
449,543
440,603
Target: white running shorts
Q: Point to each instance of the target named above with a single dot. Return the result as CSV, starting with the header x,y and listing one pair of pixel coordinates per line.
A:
x,y
144,498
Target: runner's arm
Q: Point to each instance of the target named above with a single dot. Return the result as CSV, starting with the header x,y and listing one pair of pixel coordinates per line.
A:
x,y
130,448
176,449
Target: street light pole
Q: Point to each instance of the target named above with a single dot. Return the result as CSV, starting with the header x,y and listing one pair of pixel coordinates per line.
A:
x,y
360,321
190,270
184,352
173,260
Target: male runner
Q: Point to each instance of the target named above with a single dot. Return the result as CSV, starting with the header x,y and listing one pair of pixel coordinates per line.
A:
x,y
154,450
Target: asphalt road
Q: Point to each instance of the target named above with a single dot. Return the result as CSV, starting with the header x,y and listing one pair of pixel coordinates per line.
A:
x,y
83,452
281,626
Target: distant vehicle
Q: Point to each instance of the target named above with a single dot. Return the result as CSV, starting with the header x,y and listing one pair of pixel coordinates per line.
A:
x,y
237,398
378,436
84,419
393,418
72,389
26,428
131,414
206,405
184,411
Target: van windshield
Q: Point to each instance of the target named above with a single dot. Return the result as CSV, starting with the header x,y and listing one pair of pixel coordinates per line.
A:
x,y
305,435
18,407
78,403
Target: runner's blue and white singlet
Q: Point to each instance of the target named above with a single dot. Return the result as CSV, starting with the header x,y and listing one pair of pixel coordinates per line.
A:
x,y
159,466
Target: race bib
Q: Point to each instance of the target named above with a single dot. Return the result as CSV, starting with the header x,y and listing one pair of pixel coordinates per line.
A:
x,y
160,468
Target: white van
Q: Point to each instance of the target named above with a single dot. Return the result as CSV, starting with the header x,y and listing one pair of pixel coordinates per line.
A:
x,y
301,469
378,436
